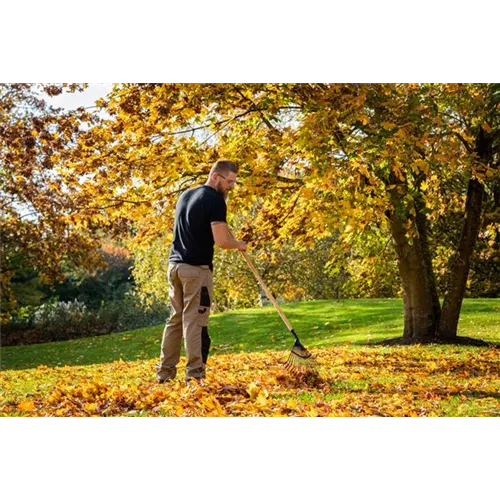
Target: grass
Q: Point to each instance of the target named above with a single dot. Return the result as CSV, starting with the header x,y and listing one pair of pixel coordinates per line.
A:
x,y
318,323
114,374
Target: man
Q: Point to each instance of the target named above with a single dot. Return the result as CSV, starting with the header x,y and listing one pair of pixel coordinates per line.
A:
x,y
200,221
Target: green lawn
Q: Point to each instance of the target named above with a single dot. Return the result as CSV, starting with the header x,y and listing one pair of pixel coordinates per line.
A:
x,y
114,375
319,324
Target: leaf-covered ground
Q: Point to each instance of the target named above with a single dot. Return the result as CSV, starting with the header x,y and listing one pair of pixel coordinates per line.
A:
x,y
348,381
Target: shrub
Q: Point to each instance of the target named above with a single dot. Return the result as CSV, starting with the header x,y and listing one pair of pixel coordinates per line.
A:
x,y
66,320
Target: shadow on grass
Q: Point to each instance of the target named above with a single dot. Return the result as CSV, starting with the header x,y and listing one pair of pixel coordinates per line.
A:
x,y
230,333
142,344
319,323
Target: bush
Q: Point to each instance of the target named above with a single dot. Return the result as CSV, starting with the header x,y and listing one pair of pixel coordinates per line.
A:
x,y
66,320
127,314
61,315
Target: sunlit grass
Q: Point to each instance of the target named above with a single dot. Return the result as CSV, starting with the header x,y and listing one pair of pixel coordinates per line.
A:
x,y
318,323
114,374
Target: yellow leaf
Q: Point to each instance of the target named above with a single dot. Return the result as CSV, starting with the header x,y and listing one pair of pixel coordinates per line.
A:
x,y
187,113
421,165
26,405
397,172
389,125
253,390
486,126
90,407
261,399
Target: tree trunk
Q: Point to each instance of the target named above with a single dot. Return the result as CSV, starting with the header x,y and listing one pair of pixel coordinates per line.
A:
x,y
421,307
421,221
461,263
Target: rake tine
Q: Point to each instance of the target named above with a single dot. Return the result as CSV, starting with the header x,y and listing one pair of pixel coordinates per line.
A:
x,y
298,365
300,359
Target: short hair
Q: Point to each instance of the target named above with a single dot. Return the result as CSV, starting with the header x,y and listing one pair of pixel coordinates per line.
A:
x,y
223,167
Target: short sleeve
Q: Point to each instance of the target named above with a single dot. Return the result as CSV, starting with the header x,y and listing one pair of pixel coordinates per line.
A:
x,y
218,211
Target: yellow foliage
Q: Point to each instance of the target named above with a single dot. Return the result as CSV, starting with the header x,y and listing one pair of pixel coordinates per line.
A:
x,y
26,406
348,382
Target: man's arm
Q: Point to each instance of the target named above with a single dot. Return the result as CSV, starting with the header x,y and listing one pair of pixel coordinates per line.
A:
x,y
223,237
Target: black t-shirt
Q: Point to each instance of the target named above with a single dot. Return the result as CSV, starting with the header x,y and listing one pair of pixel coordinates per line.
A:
x,y
193,241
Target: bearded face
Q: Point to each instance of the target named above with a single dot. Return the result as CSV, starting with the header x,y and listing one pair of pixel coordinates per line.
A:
x,y
222,188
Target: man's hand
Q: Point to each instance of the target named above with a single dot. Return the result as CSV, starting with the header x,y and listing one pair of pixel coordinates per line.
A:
x,y
242,245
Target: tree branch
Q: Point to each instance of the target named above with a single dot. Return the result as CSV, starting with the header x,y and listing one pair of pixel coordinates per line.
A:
x,y
464,142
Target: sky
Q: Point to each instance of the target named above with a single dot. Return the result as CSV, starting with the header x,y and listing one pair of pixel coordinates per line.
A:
x,y
86,98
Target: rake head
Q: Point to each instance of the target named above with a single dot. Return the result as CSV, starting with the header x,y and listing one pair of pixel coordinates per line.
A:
x,y
300,359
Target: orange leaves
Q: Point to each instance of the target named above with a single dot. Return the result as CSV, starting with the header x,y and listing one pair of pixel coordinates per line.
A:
x,y
420,166
253,390
389,125
396,169
364,120
299,148
351,381
41,193
258,394
26,406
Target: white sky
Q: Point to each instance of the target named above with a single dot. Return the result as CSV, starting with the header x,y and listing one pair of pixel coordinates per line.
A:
x,y
86,98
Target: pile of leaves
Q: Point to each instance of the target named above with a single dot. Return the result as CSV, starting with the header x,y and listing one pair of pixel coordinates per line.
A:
x,y
346,381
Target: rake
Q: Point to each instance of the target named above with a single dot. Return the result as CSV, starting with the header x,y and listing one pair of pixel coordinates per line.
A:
x,y
300,358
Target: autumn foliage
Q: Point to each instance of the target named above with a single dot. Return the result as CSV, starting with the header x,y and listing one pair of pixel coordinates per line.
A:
x,y
349,161
43,221
355,164
347,381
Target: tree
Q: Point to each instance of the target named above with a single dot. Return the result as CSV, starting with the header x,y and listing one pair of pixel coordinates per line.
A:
x,y
316,159
105,284
43,217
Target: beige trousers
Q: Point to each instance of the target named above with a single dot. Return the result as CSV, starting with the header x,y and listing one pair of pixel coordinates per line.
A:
x,y
190,292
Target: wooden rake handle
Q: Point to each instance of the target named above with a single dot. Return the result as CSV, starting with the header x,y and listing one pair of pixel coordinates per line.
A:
x,y
266,290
